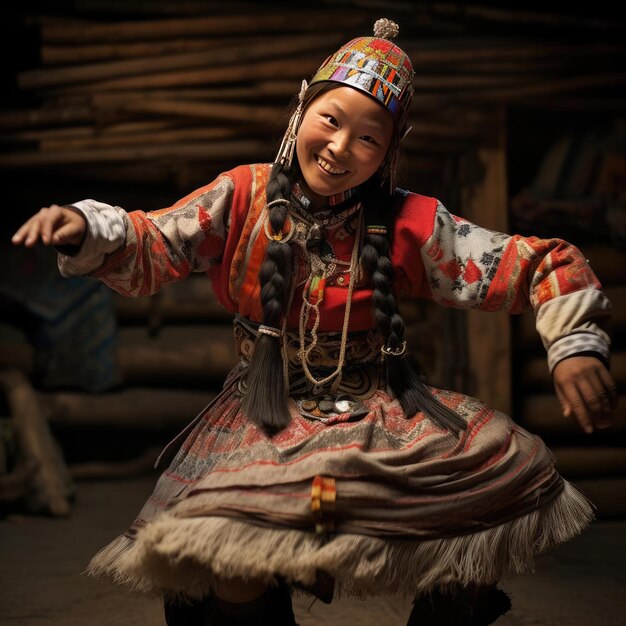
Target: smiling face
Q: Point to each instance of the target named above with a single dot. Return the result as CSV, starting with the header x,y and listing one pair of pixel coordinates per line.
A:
x,y
343,139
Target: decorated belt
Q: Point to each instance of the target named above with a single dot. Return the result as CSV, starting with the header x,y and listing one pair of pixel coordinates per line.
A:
x,y
362,374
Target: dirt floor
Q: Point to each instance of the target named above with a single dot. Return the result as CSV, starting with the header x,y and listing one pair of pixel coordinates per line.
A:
x,y
41,581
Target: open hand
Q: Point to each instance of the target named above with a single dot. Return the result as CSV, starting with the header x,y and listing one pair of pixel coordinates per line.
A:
x,y
586,389
54,225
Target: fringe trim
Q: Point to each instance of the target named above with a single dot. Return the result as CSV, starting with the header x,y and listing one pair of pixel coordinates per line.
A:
x,y
176,556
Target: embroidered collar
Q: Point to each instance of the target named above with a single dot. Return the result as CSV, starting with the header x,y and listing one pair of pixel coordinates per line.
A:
x,y
327,218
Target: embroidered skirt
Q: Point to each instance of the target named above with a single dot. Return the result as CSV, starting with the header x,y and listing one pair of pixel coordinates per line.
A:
x,y
412,506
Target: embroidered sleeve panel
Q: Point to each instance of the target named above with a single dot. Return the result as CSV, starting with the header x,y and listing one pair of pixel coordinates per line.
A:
x,y
472,267
153,249
554,278
461,260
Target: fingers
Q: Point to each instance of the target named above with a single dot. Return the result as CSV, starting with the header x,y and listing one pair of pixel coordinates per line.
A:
x,y
39,226
587,391
68,233
574,403
28,232
49,219
565,407
609,386
604,400
596,399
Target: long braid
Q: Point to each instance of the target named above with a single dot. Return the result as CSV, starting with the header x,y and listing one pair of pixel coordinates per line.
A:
x,y
266,400
407,386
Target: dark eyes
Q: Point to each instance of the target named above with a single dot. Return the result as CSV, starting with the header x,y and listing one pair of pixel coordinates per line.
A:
x,y
333,122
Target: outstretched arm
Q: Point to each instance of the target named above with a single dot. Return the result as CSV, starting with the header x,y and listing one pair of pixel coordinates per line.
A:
x,y
136,253
465,266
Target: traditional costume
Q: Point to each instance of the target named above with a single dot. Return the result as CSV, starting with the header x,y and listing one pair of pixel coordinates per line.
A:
x,y
352,490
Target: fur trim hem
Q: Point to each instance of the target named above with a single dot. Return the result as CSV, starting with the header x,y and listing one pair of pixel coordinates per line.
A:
x,y
182,556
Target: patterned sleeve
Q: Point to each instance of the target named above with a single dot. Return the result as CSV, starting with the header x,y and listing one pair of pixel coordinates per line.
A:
x,y
137,253
465,266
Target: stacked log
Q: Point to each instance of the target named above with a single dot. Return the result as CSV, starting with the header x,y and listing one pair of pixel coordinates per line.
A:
x,y
139,408
204,89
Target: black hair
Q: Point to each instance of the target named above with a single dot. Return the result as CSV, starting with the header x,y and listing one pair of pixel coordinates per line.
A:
x,y
404,381
266,400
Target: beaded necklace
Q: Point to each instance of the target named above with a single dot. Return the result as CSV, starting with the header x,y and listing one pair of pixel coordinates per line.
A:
x,y
312,297
321,269
307,227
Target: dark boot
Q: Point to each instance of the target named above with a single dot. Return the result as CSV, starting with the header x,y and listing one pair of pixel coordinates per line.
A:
x,y
464,607
183,613
273,608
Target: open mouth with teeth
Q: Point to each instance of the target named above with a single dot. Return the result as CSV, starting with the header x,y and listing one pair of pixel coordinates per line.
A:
x,y
328,168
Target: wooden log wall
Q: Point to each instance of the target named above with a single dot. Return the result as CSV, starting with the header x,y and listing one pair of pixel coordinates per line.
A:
x,y
151,92
201,90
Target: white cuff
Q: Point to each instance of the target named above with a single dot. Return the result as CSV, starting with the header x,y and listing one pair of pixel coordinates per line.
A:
x,y
106,234
575,343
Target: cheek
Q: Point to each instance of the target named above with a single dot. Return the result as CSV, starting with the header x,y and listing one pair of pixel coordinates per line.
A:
x,y
302,144
308,137
370,162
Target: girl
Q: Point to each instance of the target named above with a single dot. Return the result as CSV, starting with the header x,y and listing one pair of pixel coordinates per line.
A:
x,y
325,460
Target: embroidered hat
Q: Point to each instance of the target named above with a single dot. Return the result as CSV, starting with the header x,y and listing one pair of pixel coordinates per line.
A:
x,y
376,66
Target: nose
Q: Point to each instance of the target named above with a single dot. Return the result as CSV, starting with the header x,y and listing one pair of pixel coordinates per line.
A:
x,y
339,144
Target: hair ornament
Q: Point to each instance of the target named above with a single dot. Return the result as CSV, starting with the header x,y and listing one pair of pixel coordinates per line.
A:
x,y
303,89
377,230
278,202
278,237
288,144
394,352
269,330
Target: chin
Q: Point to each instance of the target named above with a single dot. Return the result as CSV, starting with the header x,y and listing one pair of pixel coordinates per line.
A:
x,y
329,189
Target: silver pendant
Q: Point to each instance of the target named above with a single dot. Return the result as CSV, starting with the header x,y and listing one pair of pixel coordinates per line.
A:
x,y
343,406
315,232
